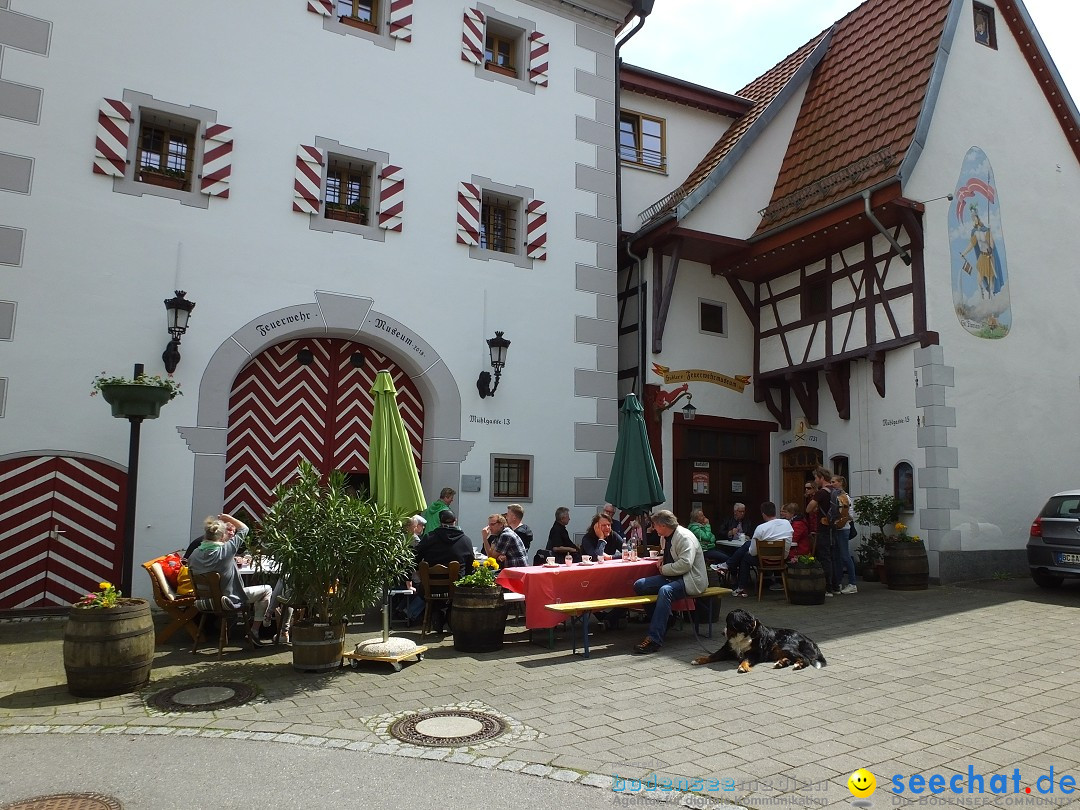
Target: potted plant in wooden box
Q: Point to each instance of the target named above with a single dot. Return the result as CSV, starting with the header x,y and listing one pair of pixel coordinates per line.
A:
x,y
140,396
335,552
478,610
354,212
879,511
108,644
164,177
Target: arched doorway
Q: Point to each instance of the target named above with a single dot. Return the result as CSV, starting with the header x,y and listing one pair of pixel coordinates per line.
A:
x,y
308,398
62,528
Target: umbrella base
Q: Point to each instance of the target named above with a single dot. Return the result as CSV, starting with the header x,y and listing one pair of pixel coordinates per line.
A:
x,y
392,651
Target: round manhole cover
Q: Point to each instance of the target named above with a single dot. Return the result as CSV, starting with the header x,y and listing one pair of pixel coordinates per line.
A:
x,y
202,697
447,728
66,801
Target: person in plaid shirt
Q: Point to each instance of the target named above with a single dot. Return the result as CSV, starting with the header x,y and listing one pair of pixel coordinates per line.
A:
x,y
502,543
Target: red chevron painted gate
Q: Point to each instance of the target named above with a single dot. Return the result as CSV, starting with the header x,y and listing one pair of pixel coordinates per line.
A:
x,y
307,399
61,527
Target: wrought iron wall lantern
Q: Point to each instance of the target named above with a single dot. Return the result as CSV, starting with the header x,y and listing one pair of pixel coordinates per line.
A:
x,y
497,347
178,311
665,400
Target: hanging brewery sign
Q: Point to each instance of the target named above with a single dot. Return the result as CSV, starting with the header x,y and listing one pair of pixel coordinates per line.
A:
x,y
736,383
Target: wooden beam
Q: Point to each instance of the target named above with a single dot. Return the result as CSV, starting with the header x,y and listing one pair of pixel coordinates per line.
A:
x,y
877,365
781,411
662,293
838,378
805,388
743,299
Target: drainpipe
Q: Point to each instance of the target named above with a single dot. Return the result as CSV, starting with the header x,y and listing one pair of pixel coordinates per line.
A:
x,y
903,254
641,9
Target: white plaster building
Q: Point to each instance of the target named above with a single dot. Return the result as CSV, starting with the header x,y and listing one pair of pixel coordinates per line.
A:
x,y
361,187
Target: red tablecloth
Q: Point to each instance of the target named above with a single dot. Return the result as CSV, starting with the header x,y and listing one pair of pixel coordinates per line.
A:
x,y
575,583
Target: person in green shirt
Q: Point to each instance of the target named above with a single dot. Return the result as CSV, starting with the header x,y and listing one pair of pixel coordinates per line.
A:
x,y
702,530
431,514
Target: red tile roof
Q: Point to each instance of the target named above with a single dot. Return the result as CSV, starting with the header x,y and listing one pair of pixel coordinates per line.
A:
x,y
862,106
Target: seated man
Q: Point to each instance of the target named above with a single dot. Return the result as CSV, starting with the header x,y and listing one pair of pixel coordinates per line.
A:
x,y
559,543
503,543
441,547
772,528
682,574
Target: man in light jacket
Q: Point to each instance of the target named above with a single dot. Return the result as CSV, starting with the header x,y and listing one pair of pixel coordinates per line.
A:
x,y
682,574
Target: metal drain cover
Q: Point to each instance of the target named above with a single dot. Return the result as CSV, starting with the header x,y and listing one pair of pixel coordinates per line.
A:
x,y
202,697
66,801
447,728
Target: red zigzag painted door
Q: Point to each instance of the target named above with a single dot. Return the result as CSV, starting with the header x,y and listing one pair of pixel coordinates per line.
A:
x,y
61,527
307,399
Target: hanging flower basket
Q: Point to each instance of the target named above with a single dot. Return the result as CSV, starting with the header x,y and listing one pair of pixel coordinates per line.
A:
x,y
140,397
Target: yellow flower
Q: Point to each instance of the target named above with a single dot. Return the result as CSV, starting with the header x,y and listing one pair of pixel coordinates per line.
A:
x,y
900,527
491,562
475,563
104,585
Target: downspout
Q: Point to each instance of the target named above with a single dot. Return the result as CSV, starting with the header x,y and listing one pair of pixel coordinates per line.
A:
x,y
903,254
641,9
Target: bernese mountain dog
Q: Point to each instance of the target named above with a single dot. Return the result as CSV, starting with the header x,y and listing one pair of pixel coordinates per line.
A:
x,y
750,642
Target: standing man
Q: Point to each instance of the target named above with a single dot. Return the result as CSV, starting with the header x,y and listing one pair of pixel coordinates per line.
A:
x,y
824,548
682,574
842,561
431,514
514,515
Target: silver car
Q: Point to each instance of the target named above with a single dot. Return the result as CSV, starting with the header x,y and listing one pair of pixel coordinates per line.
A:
x,y
1053,549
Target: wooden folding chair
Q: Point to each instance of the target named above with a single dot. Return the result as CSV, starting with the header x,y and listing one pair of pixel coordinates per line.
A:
x,y
438,584
772,557
208,600
180,609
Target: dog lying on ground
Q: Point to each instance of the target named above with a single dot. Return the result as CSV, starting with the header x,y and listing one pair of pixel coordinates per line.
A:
x,y
750,642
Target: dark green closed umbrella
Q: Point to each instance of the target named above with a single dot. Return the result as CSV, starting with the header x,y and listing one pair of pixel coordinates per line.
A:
x,y
634,485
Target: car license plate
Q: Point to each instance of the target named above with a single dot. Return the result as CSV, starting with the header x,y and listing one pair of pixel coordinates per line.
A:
x,y
1068,559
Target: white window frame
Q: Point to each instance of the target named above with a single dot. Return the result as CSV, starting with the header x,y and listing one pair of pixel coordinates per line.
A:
x,y
723,308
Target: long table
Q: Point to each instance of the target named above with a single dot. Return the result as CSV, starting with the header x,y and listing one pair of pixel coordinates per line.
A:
x,y
571,583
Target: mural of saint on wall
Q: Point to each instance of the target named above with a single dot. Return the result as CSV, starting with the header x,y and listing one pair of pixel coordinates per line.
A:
x,y
980,282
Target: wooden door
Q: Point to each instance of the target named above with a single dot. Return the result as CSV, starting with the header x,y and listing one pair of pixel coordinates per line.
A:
x,y
797,467
61,529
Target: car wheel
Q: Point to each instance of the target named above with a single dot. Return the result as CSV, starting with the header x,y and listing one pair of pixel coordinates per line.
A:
x,y
1044,579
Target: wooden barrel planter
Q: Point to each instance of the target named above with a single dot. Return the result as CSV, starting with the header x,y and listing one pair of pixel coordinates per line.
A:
x,y
109,651
906,566
478,619
317,647
806,584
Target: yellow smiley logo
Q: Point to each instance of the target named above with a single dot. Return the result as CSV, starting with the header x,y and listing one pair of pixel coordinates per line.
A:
x,y
862,784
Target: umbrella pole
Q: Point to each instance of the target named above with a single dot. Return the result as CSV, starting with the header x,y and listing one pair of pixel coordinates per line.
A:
x,y
385,613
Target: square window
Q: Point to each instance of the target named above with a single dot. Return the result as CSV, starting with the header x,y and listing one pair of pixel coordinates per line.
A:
x,y
363,14
712,317
501,46
983,22
348,190
511,478
641,140
166,150
499,216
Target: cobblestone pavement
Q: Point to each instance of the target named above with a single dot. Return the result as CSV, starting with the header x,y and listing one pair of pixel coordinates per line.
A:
x,y
974,678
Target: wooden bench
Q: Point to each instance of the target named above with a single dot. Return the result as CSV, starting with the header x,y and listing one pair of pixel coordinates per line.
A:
x,y
584,610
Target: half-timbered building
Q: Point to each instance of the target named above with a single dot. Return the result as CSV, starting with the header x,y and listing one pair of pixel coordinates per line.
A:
x,y
830,282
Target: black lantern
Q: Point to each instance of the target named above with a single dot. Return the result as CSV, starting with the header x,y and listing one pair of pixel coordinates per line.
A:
x,y
497,347
178,311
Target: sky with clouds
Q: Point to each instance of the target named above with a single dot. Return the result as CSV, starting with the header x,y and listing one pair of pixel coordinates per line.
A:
x,y
723,44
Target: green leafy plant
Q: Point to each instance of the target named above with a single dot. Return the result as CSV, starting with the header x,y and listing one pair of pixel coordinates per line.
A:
x,y
336,551
806,560
107,597
156,380
482,574
874,510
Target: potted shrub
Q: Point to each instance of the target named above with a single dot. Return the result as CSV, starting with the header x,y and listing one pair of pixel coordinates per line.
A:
x,y
164,177
140,396
806,581
108,644
336,552
478,610
879,511
355,212
906,565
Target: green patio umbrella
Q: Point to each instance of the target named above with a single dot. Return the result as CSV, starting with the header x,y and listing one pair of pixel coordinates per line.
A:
x,y
394,481
634,485
393,478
